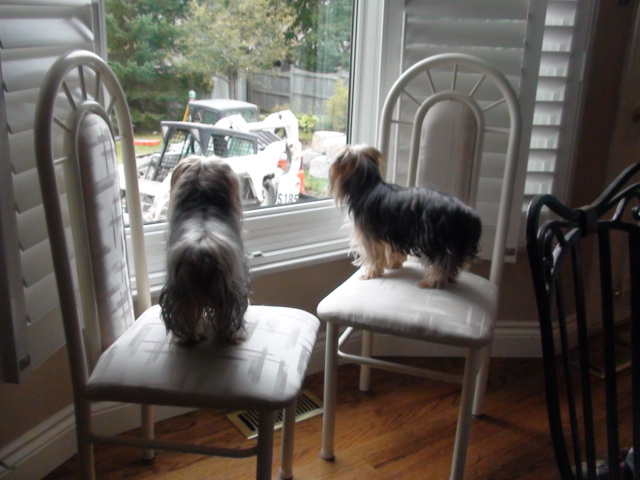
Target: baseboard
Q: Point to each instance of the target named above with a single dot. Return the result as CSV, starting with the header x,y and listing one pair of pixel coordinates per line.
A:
x,y
41,450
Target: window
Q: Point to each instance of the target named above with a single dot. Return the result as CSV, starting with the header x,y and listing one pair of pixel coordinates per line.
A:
x,y
295,73
388,36
282,164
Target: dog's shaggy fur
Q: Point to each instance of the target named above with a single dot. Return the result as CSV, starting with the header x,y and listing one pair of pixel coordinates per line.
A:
x,y
391,222
207,287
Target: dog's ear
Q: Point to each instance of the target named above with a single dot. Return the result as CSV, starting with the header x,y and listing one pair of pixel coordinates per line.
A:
x,y
184,165
374,156
229,183
356,169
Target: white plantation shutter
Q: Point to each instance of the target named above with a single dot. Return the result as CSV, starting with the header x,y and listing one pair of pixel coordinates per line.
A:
x,y
32,35
564,47
530,42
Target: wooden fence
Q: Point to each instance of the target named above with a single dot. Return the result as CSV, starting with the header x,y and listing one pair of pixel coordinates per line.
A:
x,y
299,90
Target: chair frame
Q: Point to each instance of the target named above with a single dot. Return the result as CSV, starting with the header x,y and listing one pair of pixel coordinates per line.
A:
x,y
557,246
474,378
116,115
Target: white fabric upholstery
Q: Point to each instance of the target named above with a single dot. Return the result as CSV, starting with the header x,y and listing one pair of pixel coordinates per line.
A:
x,y
446,152
461,314
103,210
264,371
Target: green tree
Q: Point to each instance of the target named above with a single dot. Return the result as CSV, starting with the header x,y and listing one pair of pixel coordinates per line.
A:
x,y
337,107
142,45
323,33
232,38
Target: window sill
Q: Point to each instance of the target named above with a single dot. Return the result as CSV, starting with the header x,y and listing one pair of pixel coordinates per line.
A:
x,y
277,239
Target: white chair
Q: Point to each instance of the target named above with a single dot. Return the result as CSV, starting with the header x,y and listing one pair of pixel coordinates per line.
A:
x,y
437,110
81,115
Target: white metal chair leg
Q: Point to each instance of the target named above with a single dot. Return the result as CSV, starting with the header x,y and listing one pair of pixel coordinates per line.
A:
x,y
288,432
148,431
330,380
464,416
266,422
481,382
365,370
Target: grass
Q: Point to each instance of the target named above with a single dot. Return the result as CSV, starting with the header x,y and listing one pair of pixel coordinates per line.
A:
x,y
142,149
317,187
148,149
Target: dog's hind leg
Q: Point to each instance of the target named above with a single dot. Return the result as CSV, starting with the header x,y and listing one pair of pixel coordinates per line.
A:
x,y
436,276
372,258
394,259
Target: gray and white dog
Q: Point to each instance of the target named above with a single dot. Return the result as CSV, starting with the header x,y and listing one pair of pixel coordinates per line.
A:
x,y
208,283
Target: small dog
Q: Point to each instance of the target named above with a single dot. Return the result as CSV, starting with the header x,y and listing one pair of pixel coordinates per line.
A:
x,y
391,222
208,281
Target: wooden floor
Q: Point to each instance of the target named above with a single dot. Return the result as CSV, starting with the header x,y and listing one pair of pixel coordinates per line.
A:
x,y
403,429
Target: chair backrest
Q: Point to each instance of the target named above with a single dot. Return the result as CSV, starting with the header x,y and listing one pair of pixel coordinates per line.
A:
x,y
81,116
444,119
585,265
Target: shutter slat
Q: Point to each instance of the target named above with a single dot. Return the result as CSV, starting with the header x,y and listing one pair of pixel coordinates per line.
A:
x,y
542,160
22,146
538,183
37,264
489,190
545,137
59,26
478,33
554,64
41,298
26,68
494,9
45,334
561,14
551,90
508,61
548,113
557,39
32,228
21,109
27,190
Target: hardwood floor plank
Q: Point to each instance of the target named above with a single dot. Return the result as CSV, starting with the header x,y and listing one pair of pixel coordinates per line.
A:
x,y
403,429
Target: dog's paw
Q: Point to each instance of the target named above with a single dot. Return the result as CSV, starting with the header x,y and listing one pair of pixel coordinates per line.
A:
x,y
396,264
394,260
432,283
369,274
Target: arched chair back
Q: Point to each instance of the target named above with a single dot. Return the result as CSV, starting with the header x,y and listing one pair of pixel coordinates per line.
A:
x,y
460,118
585,265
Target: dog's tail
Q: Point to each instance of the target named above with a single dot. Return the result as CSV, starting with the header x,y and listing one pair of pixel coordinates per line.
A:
x,y
207,288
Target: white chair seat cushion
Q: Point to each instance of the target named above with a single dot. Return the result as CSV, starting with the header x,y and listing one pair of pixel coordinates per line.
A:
x,y
461,314
265,370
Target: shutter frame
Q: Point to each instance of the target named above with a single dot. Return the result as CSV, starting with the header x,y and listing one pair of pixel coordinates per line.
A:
x,y
31,330
551,52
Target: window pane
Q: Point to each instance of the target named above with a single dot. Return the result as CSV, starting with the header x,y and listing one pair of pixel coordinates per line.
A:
x,y
269,97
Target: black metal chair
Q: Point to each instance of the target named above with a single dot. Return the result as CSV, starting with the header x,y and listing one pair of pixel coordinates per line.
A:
x,y
585,265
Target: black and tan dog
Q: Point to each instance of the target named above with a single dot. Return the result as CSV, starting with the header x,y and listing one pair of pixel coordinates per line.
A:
x,y
391,222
